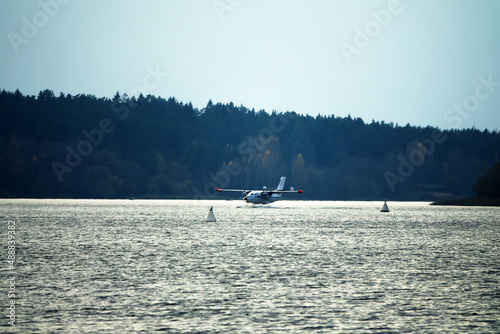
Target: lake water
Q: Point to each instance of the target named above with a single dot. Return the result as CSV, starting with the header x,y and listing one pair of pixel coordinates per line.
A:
x,y
324,267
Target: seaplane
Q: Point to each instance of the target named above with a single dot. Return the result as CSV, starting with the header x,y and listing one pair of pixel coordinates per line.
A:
x,y
264,196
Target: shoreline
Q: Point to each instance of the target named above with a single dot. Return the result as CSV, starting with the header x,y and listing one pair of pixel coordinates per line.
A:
x,y
483,201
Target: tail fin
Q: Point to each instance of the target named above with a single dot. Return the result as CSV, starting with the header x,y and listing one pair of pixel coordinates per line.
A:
x,y
281,186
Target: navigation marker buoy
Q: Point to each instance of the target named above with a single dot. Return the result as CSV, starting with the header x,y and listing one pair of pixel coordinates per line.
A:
x,y
211,216
385,208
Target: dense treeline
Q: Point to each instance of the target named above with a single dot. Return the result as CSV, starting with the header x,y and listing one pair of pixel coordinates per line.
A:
x,y
489,184
82,146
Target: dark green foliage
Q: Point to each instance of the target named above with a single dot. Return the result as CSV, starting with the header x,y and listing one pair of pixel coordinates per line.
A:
x,y
87,147
489,184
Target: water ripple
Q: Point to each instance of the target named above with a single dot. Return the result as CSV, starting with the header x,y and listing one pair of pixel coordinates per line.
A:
x,y
323,267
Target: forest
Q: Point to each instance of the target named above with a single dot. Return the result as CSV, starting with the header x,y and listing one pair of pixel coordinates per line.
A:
x,y
82,146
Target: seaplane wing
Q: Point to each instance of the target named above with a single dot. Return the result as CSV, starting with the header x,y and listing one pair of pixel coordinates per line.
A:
x,y
236,190
264,196
285,191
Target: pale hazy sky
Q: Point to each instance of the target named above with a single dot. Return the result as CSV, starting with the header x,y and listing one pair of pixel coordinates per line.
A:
x,y
423,62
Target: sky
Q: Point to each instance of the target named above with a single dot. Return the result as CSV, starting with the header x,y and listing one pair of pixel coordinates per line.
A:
x,y
422,62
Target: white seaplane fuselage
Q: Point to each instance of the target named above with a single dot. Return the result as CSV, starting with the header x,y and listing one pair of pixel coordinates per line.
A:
x,y
260,197
264,196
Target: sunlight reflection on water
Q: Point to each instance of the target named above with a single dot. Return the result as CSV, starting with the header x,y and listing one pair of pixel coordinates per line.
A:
x,y
145,265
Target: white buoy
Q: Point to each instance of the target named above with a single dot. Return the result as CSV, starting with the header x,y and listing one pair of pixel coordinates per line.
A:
x,y
211,216
385,208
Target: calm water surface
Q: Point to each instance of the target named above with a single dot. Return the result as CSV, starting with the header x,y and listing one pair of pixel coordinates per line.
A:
x,y
324,267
